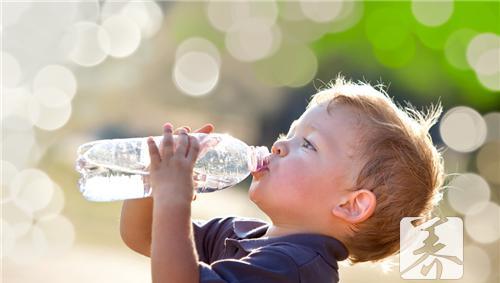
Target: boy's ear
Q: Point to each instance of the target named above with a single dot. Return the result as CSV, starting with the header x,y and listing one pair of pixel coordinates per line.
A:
x,y
356,207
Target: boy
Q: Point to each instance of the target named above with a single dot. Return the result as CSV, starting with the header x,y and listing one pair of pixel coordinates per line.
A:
x,y
335,187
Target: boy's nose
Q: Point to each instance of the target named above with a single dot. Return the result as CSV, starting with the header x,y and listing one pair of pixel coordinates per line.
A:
x,y
279,148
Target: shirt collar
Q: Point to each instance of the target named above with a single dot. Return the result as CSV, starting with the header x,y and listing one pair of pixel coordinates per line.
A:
x,y
249,233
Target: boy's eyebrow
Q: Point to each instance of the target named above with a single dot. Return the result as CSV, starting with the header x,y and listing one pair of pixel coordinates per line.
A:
x,y
307,126
311,127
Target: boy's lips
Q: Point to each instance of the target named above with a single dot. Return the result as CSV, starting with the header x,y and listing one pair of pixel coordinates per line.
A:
x,y
259,173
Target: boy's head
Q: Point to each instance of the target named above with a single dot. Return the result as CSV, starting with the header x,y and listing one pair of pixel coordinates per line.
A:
x,y
351,167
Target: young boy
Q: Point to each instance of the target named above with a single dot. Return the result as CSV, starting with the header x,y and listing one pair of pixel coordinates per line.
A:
x,y
335,187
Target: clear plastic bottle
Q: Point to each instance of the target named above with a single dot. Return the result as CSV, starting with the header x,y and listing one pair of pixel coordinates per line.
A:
x,y
117,169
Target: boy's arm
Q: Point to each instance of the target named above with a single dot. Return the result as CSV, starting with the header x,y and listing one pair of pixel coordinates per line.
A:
x,y
173,254
135,224
137,214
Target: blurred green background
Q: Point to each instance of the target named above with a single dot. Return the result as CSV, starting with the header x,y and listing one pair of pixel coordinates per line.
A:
x,y
73,72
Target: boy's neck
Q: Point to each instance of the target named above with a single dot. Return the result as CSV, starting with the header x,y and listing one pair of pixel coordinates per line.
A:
x,y
283,230
278,230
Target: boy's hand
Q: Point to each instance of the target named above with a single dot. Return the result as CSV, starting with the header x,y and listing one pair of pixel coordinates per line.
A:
x,y
171,167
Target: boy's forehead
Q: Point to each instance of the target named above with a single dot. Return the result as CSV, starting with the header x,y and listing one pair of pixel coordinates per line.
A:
x,y
312,117
332,120
314,113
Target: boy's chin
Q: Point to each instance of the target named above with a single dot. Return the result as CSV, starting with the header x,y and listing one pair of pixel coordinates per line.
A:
x,y
254,189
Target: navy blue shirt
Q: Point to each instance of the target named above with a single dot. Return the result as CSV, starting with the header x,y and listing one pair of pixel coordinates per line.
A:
x,y
231,250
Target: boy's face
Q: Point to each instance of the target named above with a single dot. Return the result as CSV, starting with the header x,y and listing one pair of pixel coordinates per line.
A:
x,y
311,169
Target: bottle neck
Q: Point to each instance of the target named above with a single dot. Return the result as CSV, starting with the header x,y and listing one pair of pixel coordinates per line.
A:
x,y
257,155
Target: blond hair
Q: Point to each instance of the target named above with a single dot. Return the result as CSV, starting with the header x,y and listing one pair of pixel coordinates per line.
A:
x,y
398,163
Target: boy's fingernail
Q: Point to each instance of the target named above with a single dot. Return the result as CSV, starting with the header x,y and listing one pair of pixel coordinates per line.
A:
x,y
168,126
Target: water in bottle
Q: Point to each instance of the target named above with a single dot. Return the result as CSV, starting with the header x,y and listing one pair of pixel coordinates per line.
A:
x,y
117,169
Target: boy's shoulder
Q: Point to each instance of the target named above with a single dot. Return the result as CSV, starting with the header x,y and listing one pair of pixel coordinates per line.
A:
x,y
237,245
247,234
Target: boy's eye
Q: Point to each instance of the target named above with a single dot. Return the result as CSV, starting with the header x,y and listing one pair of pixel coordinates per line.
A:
x,y
308,144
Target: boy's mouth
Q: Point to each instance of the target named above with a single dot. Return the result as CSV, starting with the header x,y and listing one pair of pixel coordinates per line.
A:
x,y
259,173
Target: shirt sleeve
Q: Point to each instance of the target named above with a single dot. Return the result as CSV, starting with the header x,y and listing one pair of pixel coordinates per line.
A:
x,y
261,266
209,237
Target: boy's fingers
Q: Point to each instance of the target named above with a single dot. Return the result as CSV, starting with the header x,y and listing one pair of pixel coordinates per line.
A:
x,y
186,128
194,149
182,143
168,141
177,131
154,154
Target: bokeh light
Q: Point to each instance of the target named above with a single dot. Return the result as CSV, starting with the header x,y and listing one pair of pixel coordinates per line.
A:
x,y
51,97
15,102
350,14
303,28
483,55
29,247
463,129
468,193
321,11
252,40
490,82
50,117
432,13
91,44
483,224
58,234
196,73
57,77
32,189
456,47
124,36
198,44
479,46
55,204
19,219
146,14
489,62
225,16
32,227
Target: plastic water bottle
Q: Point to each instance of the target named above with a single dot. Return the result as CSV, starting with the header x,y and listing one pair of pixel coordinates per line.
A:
x,y
117,169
